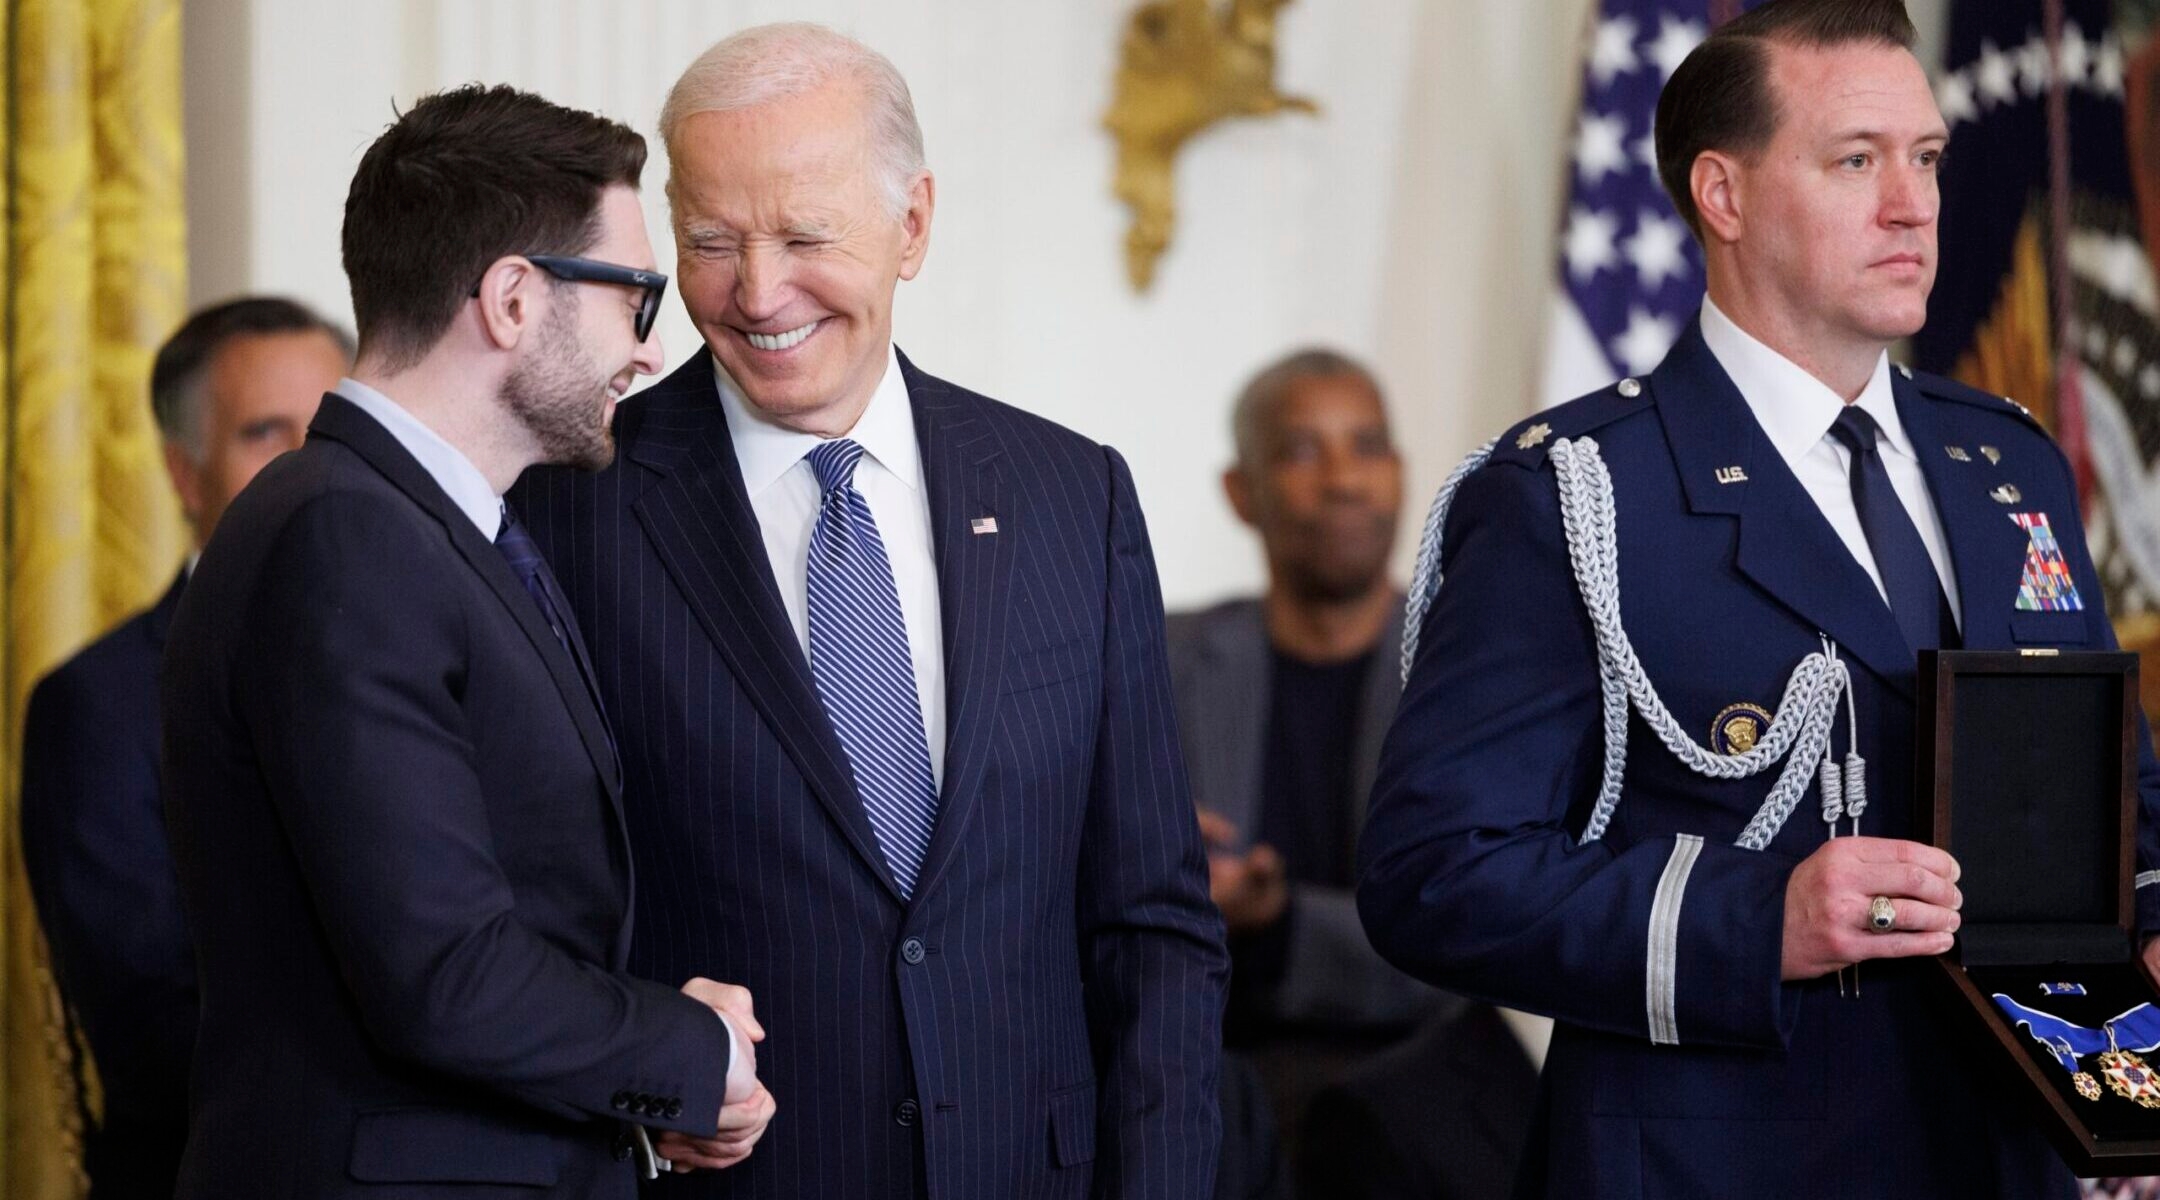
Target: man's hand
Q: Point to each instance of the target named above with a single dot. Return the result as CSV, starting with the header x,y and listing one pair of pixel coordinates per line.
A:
x,y
1827,898
732,1003
741,1125
1250,888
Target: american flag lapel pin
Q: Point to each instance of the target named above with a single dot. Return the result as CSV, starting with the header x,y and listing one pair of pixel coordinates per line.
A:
x,y
983,525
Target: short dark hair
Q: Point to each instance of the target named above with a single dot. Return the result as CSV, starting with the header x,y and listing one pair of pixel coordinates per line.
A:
x,y
1720,98
1263,394
463,178
183,362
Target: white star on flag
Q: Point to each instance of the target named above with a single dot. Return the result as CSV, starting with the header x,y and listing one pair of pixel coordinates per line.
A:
x,y
2035,70
2107,74
1954,96
1645,342
1675,39
1996,77
1600,146
1656,249
1590,243
2076,58
1612,54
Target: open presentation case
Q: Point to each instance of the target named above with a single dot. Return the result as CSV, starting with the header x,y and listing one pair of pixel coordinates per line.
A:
x,y
2027,774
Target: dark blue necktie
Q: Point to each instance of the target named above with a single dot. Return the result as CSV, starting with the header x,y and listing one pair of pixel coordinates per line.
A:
x,y
860,662
518,547
1908,574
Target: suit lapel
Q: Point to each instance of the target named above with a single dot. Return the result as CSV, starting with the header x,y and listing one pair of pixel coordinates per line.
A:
x,y
161,613
342,421
1987,549
964,470
1376,712
1786,547
699,519
1234,708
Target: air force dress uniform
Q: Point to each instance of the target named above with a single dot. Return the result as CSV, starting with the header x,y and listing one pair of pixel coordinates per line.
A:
x,y
1682,1065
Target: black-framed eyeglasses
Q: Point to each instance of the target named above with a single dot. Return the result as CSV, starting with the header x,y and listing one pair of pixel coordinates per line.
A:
x,y
571,269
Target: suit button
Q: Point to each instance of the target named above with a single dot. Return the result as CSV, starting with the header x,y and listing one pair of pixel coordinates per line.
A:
x,y
911,952
640,1103
905,1112
620,1101
674,1109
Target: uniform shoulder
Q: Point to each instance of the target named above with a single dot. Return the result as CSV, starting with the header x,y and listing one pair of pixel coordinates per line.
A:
x,y
1526,442
1942,388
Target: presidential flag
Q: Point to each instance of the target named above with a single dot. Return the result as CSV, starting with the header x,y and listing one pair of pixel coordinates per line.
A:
x,y
2046,291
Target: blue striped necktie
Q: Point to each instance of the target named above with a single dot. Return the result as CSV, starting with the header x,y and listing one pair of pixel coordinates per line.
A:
x,y
859,659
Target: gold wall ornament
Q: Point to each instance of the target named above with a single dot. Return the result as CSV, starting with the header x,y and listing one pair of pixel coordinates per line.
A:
x,y
1183,66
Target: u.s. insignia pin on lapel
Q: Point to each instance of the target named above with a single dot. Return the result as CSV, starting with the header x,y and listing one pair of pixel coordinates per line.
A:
x,y
1738,727
1731,475
1957,454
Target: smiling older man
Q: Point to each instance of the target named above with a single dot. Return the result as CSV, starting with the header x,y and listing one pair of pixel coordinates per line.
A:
x,y
886,660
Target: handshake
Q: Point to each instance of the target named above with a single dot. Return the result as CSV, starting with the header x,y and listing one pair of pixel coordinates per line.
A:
x,y
746,1107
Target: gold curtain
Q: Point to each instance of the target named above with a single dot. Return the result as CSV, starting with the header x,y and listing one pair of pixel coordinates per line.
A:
x,y
92,278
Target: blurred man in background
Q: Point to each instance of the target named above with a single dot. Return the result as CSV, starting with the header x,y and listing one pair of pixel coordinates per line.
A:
x,y
232,389
1282,702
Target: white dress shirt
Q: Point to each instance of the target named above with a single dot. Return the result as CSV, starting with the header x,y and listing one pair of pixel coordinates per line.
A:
x,y
1797,410
784,494
445,463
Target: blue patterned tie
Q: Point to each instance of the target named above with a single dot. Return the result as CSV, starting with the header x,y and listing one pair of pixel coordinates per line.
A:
x,y
523,554
859,658
1908,574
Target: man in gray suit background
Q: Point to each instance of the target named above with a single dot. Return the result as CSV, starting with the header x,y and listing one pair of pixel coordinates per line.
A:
x,y
1282,701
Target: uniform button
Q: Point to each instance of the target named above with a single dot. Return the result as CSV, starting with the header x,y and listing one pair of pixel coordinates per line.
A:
x,y
905,1112
911,952
640,1102
620,1101
674,1109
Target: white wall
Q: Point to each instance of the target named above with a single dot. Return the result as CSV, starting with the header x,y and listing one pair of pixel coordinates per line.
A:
x,y
1412,223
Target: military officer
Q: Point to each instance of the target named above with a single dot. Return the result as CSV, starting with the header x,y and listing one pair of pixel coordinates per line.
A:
x,y
1778,491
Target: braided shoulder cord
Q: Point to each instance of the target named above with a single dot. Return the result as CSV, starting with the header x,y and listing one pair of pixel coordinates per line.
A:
x,y
1805,714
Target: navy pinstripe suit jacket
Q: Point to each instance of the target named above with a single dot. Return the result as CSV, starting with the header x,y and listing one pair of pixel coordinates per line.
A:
x,y
1043,1018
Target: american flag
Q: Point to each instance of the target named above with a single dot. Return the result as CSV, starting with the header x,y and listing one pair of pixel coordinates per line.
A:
x,y
1630,274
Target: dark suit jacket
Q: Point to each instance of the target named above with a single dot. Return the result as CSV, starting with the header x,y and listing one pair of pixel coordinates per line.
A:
x,y
1219,669
101,873
394,810
1044,1016
1443,1116
1681,1065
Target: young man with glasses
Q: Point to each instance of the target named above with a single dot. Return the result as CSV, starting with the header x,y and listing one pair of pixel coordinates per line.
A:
x,y
393,792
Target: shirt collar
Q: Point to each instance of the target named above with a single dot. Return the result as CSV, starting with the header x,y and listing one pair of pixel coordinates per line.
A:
x,y
1793,407
454,473
766,450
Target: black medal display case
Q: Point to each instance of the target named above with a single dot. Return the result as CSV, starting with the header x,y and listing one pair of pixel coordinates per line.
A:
x,y
2027,775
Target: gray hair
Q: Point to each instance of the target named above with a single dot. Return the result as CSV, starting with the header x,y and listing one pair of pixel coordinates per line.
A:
x,y
773,62
1264,393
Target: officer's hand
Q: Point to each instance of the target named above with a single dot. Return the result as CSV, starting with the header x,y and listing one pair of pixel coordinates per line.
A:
x,y
741,1125
1827,898
732,1003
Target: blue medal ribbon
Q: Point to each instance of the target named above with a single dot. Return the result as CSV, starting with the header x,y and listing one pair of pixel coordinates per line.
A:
x,y
2136,1029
